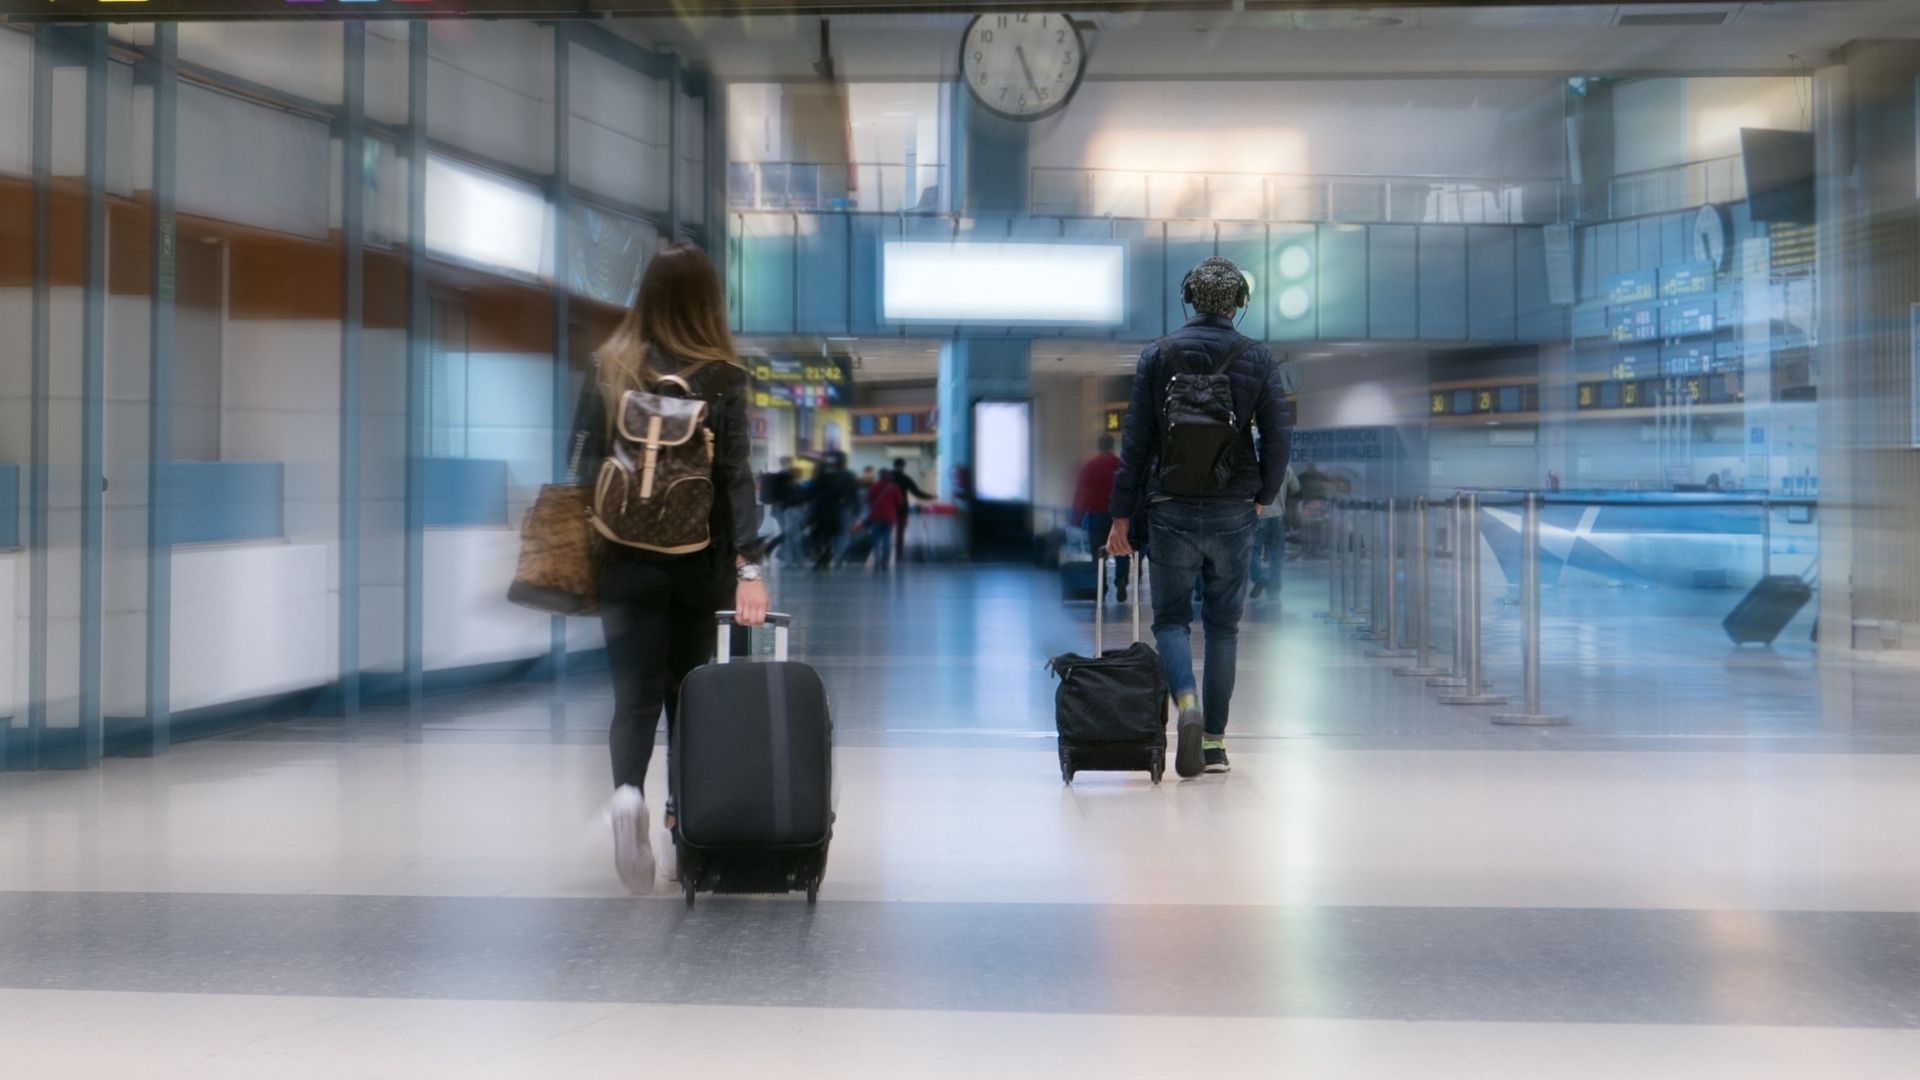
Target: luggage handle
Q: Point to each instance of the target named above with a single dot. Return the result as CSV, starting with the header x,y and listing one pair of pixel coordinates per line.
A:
x,y
1100,598
780,622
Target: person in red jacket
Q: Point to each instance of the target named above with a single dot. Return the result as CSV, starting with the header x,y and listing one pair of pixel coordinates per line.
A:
x,y
886,506
1090,495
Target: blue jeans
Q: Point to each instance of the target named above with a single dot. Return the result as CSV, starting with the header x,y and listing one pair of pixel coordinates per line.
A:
x,y
882,544
1214,542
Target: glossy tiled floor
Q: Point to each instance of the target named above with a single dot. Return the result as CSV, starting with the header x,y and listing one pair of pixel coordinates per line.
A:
x,y
1714,871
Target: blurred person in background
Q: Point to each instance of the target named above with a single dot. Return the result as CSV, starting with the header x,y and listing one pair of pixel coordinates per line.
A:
x,y
886,512
657,609
1090,495
907,485
780,491
833,499
1270,539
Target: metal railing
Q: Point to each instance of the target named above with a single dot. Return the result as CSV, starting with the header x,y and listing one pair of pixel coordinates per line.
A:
x,y
1664,190
1366,200
874,187
1365,540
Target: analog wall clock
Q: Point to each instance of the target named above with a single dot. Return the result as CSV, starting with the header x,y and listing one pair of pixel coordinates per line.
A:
x,y
1710,236
1022,66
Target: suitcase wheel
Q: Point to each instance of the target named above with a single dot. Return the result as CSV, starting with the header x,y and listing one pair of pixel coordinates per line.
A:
x,y
686,888
1066,767
813,892
1158,768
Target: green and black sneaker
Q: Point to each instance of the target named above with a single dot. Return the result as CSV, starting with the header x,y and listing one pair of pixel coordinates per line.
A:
x,y
1215,753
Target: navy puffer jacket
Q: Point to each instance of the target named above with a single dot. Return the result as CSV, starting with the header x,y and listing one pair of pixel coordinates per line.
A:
x,y
1258,396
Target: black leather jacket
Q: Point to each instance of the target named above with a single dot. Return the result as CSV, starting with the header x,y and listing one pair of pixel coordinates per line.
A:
x,y
1261,468
735,524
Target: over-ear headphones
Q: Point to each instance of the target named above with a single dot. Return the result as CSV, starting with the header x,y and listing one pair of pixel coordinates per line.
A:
x,y
1242,295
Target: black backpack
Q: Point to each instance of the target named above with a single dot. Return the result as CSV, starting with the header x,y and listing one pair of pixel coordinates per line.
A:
x,y
1199,431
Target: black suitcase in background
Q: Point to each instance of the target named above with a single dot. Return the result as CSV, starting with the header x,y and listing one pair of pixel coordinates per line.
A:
x,y
752,771
1110,709
1767,609
1079,581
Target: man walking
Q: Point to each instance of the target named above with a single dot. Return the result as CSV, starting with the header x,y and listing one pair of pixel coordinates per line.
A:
x,y
1091,493
1189,452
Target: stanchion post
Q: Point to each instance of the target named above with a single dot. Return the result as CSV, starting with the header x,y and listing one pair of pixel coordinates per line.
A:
x,y
1456,676
1349,568
1530,624
1389,633
1420,610
1333,567
1476,693
1370,625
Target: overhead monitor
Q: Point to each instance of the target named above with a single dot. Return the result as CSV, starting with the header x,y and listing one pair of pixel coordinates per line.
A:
x,y
1779,168
1003,283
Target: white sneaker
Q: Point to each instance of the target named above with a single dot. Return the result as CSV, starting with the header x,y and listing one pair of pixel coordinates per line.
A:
x,y
632,843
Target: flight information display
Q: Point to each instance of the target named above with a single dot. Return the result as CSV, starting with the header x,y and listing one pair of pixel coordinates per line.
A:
x,y
1634,288
1635,322
1687,320
1690,279
1479,400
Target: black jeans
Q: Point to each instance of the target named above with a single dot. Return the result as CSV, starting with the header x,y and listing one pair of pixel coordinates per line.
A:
x,y
657,612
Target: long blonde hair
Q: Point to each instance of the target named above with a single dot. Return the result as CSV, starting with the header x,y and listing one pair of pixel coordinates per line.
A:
x,y
679,311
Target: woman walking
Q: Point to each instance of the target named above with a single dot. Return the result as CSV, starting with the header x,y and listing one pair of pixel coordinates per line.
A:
x,y
657,599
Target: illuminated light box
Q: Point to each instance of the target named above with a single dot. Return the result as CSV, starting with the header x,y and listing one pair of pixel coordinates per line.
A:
x,y
1003,283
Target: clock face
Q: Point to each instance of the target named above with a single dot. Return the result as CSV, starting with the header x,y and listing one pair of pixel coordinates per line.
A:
x,y
1710,236
1022,67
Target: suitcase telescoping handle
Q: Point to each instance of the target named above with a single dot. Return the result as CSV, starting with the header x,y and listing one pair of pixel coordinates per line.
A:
x,y
1100,600
781,623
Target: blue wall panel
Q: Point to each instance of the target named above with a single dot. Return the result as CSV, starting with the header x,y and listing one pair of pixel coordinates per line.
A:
x,y
1393,278
869,232
1343,281
1188,242
1147,284
766,274
225,501
825,261
9,506
465,492
1606,250
1443,282
1490,284
1280,240
1590,276
1539,320
1673,239
1246,245
1649,244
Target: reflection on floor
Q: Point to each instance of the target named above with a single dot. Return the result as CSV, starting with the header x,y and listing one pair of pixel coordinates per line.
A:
x,y
1714,871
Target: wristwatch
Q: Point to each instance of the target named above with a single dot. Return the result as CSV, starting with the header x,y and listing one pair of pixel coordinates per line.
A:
x,y
747,571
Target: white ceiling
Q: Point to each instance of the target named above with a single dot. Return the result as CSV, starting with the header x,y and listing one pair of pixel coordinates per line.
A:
x,y
1565,39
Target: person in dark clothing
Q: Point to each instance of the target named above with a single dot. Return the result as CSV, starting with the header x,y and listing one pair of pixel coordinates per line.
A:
x,y
833,498
907,485
1210,537
656,609
1091,494
780,493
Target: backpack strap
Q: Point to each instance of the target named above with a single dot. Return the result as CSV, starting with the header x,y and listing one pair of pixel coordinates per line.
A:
x,y
1239,349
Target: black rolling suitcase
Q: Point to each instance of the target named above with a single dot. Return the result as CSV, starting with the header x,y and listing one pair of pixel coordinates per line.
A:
x,y
1767,609
752,771
1111,708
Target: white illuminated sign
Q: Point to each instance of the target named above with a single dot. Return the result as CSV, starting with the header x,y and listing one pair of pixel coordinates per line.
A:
x,y
1053,284
481,218
1003,450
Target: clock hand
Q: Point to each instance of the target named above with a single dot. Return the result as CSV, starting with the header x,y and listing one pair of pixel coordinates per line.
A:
x,y
1021,52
